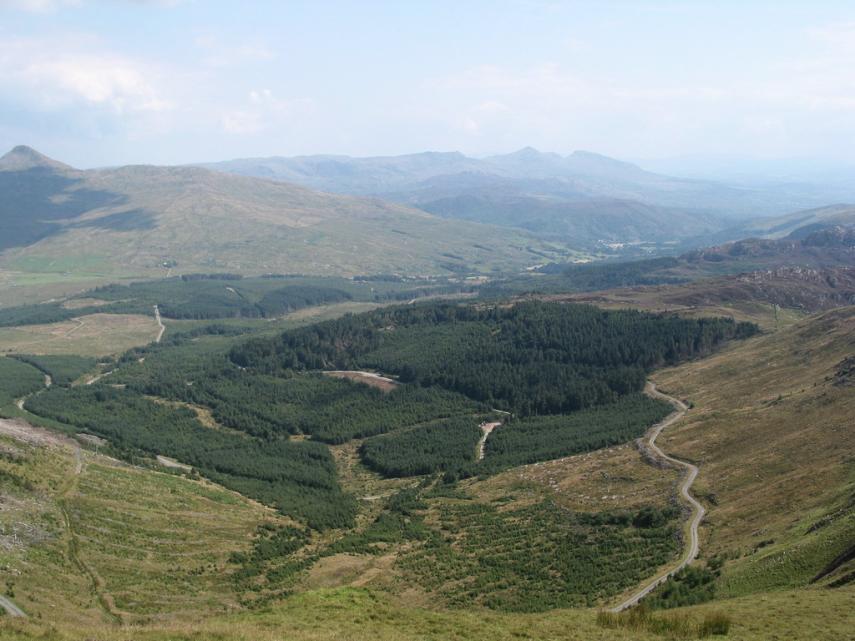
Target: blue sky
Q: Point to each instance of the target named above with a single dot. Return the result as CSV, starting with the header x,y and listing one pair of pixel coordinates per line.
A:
x,y
111,82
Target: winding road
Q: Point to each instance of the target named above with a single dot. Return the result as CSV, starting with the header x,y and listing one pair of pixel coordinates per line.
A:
x,y
698,510
11,609
159,324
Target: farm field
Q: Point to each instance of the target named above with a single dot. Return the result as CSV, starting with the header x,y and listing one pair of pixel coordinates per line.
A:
x,y
93,334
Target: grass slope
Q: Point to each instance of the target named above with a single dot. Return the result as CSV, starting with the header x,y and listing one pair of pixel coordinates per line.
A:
x,y
141,220
85,538
776,455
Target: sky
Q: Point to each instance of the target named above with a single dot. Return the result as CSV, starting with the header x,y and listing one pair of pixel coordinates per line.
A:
x,y
109,82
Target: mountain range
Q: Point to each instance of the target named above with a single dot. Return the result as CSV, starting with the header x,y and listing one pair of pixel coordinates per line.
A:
x,y
438,214
136,220
584,198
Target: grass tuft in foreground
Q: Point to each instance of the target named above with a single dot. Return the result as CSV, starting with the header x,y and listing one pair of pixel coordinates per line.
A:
x,y
673,625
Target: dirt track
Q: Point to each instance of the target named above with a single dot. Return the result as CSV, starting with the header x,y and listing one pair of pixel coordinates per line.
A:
x,y
698,510
159,324
368,378
11,609
486,428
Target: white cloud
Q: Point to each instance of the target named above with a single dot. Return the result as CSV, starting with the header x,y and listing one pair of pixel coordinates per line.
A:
x,y
263,110
54,75
102,80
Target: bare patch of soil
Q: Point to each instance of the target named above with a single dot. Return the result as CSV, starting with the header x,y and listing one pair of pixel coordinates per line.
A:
x,y
368,378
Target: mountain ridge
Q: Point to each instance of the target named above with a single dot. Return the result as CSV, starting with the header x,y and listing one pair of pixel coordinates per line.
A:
x,y
142,217
558,197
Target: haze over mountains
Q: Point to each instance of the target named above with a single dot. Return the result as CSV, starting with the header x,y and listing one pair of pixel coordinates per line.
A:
x,y
421,214
139,218
584,197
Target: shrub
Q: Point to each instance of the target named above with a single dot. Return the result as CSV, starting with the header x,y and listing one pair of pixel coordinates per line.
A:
x,y
672,626
715,623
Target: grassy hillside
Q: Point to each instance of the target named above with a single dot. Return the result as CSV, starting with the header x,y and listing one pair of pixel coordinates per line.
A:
x,y
432,557
772,298
772,271
88,540
776,455
173,561
143,220
800,222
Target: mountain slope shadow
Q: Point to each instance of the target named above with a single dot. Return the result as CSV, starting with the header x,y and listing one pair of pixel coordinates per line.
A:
x,y
131,220
34,198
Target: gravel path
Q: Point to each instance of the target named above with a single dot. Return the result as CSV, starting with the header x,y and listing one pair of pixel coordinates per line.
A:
x,y
698,510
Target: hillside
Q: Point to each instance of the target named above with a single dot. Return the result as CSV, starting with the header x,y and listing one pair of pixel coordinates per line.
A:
x,y
775,454
793,290
585,198
799,224
414,558
142,220
821,256
242,468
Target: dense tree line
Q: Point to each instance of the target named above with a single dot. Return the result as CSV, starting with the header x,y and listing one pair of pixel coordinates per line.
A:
x,y
587,277
449,446
266,406
18,379
531,358
299,478
211,296
609,275
39,314
542,438
63,370
439,446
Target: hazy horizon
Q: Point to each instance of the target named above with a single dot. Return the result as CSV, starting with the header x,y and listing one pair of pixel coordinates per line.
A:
x,y
168,82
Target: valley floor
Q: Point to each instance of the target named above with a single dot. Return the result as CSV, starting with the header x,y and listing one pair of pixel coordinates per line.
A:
x,y
110,551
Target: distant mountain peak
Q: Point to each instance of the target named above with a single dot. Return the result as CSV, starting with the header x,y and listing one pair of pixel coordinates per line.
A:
x,y
23,157
530,152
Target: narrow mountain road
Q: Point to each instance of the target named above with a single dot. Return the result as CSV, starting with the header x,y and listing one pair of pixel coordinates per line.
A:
x,y
11,609
98,377
20,402
159,324
698,510
486,428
